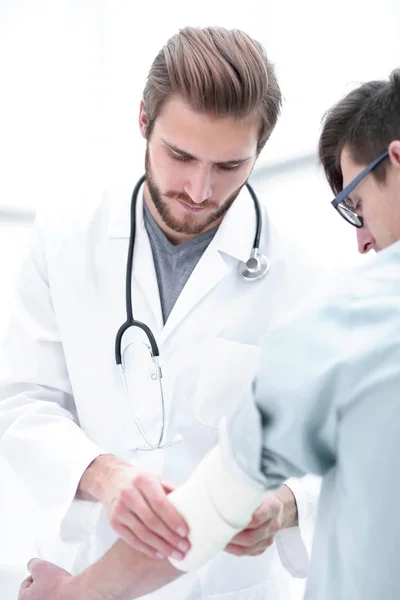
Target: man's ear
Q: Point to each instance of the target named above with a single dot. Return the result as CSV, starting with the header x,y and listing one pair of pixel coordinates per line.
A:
x,y
394,153
143,120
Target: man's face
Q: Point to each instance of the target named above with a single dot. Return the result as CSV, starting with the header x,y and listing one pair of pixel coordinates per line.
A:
x,y
377,202
196,165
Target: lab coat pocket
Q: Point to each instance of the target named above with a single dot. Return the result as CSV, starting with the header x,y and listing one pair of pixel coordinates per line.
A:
x,y
226,369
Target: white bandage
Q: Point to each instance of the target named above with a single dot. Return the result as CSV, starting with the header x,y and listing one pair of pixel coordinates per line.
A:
x,y
216,507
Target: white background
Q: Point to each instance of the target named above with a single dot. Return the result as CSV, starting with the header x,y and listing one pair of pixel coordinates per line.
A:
x,y
71,77
72,73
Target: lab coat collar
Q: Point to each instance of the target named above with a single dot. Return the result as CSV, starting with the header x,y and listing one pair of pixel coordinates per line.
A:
x,y
120,198
235,235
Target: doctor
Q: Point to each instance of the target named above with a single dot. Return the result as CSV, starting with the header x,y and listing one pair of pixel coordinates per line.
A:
x,y
98,437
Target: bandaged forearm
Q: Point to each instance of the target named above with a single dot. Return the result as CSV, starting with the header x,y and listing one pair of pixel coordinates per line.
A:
x,y
216,506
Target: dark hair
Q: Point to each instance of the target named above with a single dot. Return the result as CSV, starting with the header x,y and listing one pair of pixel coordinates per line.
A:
x,y
218,71
365,121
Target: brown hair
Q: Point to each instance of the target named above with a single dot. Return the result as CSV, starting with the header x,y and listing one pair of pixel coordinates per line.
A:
x,y
218,71
365,121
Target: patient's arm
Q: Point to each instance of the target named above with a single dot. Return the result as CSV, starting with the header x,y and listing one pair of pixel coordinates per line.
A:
x,y
121,574
124,574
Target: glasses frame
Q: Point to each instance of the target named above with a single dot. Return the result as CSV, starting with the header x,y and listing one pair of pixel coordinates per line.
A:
x,y
336,202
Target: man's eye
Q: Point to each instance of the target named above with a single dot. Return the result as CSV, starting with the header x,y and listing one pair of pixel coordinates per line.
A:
x,y
228,167
179,157
352,205
348,202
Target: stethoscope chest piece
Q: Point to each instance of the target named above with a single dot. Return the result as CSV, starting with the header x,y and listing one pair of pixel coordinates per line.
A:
x,y
255,268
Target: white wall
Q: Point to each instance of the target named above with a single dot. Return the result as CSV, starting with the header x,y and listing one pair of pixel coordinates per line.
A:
x,y
72,73
322,50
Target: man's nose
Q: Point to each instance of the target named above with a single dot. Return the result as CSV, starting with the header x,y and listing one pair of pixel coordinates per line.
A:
x,y
199,186
365,240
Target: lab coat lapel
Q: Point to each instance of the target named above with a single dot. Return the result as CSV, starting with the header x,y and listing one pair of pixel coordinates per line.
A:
x,y
208,272
234,238
144,273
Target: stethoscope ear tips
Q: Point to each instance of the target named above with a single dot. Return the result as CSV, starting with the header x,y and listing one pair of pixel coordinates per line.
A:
x,y
255,268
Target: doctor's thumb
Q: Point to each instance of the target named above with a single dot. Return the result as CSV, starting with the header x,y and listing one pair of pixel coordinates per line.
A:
x,y
168,486
41,568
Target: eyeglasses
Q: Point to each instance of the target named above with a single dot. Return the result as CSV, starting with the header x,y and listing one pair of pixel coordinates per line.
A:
x,y
344,204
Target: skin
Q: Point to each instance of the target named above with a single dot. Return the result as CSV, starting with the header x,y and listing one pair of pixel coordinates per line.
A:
x,y
122,574
378,202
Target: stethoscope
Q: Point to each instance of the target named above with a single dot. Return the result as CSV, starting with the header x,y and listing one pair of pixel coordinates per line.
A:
x,y
255,268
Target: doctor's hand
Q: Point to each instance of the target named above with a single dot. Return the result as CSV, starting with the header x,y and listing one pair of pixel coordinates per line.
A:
x,y
259,533
138,508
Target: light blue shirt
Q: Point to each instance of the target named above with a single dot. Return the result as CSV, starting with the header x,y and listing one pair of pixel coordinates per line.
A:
x,y
328,391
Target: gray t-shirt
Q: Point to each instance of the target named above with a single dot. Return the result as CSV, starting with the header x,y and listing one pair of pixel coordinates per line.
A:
x,y
173,264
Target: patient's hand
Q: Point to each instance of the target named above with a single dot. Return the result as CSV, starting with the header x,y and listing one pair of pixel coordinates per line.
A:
x,y
259,534
48,582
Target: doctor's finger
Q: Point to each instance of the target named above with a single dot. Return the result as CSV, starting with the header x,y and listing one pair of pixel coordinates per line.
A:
x,y
168,486
249,551
143,521
157,499
270,508
141,532
134,542
251,537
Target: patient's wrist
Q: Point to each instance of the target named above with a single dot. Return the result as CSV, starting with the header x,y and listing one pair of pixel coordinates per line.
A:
x,y
90,585
75,589
216,506
235,499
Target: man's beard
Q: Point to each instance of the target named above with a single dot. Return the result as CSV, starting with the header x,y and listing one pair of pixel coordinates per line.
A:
x,y
189,225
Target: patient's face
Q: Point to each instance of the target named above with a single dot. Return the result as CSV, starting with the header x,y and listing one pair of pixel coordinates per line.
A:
x,y
378,202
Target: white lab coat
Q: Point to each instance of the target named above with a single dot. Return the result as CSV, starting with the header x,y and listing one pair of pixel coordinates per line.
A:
x,y
61,398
